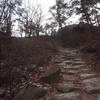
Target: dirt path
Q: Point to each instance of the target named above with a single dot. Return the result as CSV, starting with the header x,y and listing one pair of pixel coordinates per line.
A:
x,y
78,82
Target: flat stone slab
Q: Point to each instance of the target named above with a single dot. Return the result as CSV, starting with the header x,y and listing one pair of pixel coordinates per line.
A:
x,y
92,89
78,63
69,78
87,76
68,61
84,69
69,58
77,59
67,96
57,62
71,72
72,67
67,88
91,80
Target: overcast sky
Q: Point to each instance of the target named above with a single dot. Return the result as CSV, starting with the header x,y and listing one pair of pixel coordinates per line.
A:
x,y
45,4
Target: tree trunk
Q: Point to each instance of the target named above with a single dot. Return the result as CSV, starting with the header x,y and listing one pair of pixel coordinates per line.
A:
x,y
8,27
37,33
97,20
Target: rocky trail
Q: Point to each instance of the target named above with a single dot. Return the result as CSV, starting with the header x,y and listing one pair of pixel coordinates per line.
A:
x,y
79,82
70,78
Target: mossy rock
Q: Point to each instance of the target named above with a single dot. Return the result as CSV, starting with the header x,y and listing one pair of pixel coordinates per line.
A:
x,y
52,75
30,93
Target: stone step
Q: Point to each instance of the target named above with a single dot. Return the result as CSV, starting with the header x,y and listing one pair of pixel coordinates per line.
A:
x,y
71,72
67,96
78,63
76,77
67,88
61,64
87,76
91,80
73,67
68,62
70,78
92,89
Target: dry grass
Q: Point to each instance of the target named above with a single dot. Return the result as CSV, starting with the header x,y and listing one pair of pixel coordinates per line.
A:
x,y
21,51
18,57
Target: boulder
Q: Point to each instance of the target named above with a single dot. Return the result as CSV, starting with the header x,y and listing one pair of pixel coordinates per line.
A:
x,y
30,92
52,75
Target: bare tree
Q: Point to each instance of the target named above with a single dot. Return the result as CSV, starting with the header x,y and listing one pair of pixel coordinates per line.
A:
x,y
87,9
50,29
61,12
30,20
8,9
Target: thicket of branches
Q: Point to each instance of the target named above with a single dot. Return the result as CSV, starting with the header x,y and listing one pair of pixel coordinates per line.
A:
x,y
30,19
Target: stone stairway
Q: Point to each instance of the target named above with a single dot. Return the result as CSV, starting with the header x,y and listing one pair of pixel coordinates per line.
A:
x,y
78,81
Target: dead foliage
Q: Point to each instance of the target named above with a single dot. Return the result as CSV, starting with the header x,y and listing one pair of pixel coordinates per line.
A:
x,y
24,60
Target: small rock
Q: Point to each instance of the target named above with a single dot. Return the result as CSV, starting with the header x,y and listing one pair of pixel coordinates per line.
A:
x,y
67,88
84,69
57,62
67,96
86,76
61,64
68,67
69,58
77,59
92,89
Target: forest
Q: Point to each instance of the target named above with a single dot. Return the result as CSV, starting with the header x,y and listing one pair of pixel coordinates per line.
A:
x,y
53,55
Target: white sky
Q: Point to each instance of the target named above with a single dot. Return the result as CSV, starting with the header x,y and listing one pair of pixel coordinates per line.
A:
x,y
45,4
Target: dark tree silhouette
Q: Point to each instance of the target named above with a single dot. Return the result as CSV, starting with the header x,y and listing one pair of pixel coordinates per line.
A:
x,y
8,9
60,13
87,10
30,19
